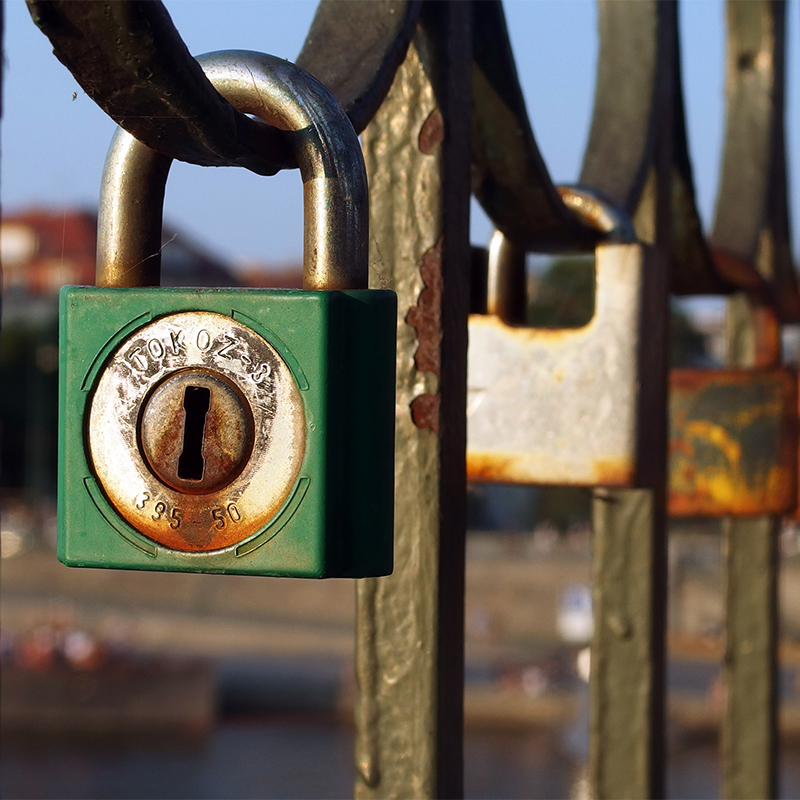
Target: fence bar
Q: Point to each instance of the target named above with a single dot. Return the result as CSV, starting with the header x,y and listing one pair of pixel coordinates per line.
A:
x,y
749,727
751,223
626,709
629,588
750,672
629,552
410,636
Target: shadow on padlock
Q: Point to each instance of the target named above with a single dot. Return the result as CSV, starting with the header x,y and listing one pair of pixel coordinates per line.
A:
x,y
230,430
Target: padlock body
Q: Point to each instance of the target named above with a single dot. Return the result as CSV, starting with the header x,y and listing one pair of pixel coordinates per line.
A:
x,y
334,515
562,406
732,442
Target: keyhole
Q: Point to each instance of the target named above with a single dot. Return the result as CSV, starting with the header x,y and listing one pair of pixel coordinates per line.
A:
x,y
196,400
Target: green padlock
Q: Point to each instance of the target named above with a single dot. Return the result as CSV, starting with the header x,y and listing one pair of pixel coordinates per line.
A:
x,y
228,430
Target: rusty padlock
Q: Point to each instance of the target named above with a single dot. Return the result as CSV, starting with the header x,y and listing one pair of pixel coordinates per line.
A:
x,y
232,430
561,406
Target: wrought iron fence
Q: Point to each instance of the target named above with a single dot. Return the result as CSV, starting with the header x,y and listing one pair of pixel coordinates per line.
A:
x,y
432,87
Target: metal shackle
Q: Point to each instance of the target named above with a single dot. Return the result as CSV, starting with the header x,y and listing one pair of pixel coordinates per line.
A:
x,y
505,296
335,195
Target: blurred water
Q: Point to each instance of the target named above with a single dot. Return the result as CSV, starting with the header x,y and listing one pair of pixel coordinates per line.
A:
x,y
303,757
279,758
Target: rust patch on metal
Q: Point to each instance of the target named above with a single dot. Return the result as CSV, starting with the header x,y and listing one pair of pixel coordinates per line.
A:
x,y
613,472
733,442
227,434
485,468
425,316
504,468
736,270
768,335
432,132
425,411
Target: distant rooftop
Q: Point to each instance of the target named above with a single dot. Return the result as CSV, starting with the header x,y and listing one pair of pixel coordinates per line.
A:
x,y
43,249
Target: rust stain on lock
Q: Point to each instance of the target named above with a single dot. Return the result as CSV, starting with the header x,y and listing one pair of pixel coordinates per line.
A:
x,y
491,468
733,442
199,455
210,482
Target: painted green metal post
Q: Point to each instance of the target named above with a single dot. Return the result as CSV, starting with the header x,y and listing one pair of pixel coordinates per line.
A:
x,y
752,224
629,553
410,636
750,668
749,727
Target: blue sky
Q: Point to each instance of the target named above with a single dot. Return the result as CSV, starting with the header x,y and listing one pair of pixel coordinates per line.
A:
x,y
53,146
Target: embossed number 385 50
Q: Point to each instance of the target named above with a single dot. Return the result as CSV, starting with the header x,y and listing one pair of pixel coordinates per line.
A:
x,y
175,514
218,513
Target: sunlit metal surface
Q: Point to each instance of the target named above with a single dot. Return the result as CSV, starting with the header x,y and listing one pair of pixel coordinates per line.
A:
x,y
238,499
548,406
559,406
598,212
409,658
335,194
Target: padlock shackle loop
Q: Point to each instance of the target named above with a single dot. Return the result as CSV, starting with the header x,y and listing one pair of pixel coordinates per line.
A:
x,y
335,194
506,278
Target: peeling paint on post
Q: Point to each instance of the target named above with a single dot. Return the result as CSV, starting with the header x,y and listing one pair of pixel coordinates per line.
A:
x,y
410,637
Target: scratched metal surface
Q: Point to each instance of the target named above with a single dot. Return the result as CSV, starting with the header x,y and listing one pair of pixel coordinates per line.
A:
x,y
325,145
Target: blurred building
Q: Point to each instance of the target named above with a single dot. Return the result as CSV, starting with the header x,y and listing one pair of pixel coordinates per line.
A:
x,y
277,276
43,249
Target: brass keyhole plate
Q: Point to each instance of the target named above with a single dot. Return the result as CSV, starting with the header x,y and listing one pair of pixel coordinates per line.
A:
x,y
196,431
200,349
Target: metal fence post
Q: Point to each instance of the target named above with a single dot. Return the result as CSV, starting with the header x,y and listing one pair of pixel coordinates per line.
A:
x,y
752,223
629,553
410,636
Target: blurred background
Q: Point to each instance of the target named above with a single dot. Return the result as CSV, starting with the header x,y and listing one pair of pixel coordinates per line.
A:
x,y
123,684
